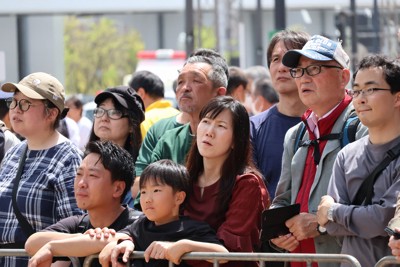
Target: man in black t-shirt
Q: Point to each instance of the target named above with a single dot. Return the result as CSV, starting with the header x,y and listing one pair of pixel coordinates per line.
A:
x,y
161,232
101,183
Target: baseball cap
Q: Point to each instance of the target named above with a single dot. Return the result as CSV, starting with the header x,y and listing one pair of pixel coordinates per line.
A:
x,y
126,97
318,48
39,85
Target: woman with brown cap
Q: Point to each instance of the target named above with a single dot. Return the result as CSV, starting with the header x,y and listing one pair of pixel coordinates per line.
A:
x,y
37,175
117,118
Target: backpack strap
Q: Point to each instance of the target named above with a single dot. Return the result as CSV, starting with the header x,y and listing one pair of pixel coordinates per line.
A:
x,y
25,225
84,224
365,192
350,129
301,130
315,144
346,136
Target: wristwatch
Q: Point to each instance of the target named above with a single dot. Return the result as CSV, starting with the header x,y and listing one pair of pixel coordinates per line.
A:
x,y
321,230
330,213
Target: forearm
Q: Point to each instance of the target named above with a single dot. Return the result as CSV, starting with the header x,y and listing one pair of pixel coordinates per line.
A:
x,y
82,245
39,239
194,246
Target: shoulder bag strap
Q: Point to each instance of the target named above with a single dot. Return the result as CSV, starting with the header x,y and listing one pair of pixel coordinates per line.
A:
x,y
366,189
26,227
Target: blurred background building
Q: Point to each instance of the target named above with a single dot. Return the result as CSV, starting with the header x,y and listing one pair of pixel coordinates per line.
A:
x,y
33,32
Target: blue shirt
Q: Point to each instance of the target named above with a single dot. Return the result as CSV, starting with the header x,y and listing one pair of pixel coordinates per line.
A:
x,y
267,133
45,192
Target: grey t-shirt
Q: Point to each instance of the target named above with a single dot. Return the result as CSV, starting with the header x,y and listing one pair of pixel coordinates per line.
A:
x,y
363,226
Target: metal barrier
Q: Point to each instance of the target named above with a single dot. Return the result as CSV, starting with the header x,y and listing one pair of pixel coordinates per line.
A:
x,y
386,261
260,257
22,253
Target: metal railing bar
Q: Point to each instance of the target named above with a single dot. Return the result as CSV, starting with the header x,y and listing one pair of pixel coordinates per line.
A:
x,y
236,256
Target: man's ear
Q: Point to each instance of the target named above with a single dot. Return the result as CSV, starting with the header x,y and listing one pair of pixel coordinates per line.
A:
x,y
118,188
141,92
180,197
345,77
221,91
397,99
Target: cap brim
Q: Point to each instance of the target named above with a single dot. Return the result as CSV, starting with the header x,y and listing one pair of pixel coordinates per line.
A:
x,y
104,95
11,87
291,58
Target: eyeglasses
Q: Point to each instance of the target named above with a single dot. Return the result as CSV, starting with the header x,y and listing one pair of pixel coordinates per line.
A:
x,y
22,104
311,70
113,114
365,92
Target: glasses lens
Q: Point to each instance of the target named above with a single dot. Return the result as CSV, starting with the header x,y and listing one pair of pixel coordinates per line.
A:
x,y
24,104
313,70
114,114
11,103
295,73
98,112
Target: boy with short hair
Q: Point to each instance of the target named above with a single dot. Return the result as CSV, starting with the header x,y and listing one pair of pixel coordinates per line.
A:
x,y
162,232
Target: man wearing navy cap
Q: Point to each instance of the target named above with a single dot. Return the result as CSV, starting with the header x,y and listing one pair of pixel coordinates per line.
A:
x,y
321,72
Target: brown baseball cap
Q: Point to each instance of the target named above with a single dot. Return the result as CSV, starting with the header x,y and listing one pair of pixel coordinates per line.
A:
x,y
39,85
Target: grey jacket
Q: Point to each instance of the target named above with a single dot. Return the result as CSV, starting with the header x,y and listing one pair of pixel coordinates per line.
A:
x,y
292,172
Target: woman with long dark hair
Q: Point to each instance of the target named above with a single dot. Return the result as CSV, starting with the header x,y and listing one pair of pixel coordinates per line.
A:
x,y
117,118
227,190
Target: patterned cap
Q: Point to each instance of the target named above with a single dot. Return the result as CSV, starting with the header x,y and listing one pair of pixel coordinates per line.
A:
x,y
318,48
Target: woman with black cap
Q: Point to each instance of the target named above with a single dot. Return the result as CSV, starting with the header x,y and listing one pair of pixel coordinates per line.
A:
x,y
117,118
37,175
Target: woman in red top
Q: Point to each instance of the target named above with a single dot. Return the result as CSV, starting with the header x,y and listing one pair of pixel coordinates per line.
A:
x,y
227,191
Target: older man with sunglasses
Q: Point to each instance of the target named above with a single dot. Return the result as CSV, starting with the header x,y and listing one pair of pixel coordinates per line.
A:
x,y
321,72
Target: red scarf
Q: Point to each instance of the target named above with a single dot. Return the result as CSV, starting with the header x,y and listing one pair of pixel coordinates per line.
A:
x,y
325,126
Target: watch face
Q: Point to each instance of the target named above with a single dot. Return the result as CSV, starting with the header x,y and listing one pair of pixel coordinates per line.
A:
x,y
321,230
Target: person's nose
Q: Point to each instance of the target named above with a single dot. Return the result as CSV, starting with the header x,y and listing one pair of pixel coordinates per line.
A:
x,y
210,131
82,183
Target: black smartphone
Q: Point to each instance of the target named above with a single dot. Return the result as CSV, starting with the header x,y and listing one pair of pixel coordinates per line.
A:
x,y
392,233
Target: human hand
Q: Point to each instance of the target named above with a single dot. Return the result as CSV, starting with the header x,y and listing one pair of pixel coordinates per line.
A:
x,y
126,247
287,242
323,207
101,232
42,258
303,226
160,250
394,244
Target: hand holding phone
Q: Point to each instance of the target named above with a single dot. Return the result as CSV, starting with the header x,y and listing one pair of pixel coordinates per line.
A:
x,y
393,233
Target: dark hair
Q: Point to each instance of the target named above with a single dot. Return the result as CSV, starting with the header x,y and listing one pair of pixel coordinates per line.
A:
x,y
115,159
3,108
167,172
239,158
75,102
237,77
134,140
151,83
264,88
219,74
61,114
291,39
390,69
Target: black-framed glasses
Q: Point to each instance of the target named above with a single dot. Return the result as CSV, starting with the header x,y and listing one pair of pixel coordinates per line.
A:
x,y
311,70
113,114
365,92
23,104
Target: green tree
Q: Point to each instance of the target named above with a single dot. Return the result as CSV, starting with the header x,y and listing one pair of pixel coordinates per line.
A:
x,y
97,54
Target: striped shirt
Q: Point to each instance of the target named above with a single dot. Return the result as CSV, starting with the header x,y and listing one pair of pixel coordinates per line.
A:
x,y
45,192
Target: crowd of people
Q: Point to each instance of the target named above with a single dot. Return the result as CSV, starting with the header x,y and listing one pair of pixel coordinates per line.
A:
x,y
149,177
